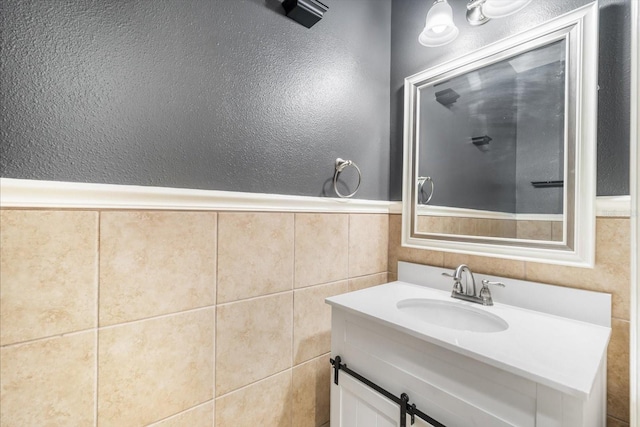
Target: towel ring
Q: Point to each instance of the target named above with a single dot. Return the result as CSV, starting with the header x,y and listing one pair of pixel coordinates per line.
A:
x,y
340,166
421,181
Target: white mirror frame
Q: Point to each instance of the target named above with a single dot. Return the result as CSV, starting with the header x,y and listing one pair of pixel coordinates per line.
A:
x,y
581,27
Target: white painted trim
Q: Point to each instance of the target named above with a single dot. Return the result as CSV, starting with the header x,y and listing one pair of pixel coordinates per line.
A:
x,y
21,193
613,206
431,210
395,207
24,193
606,206
539,217
635,216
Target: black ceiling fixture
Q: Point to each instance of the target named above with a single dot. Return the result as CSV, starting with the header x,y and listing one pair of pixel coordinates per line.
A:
x,y
306,12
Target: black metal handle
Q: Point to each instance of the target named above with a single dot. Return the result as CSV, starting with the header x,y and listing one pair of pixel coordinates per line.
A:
x,y
404,404
547,184
336,368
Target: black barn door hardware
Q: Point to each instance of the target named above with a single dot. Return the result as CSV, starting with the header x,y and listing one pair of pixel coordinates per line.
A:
x,y
547,184
402,401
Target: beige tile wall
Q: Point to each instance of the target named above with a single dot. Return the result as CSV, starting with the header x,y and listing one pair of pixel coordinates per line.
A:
x,y
508,228
175,318
467,226
183,318
611,274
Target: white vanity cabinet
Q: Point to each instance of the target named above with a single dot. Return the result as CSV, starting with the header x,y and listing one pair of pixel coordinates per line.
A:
x,y
524,376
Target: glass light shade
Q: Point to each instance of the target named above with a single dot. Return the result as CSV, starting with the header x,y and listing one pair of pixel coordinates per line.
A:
x,y
439,28
502,8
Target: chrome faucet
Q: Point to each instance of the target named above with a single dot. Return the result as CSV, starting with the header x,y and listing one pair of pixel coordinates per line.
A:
x,y
468,293
457,281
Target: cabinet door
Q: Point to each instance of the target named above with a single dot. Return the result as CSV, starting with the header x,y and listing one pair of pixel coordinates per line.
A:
x,y
353,404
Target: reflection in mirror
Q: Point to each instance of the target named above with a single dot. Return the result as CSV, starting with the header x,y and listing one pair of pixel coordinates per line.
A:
x,y
500,147
482,131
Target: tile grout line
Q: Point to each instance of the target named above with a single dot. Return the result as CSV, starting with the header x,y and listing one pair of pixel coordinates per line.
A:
x,y
215,318
115,325
360,277
291,396
349,247
252,383
388,243
177,414
159,316
313,358
217,296
97,323
49,337
620,319
293,299
256,297
346,279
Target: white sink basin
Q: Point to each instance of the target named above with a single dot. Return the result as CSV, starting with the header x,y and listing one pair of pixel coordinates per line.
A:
x,y
561,348
452,315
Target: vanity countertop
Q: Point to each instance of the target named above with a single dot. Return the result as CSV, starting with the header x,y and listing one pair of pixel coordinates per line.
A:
x,y
558,352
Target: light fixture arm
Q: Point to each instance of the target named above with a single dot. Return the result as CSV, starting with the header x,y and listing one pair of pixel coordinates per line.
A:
x,y
475,16
475,3
482,11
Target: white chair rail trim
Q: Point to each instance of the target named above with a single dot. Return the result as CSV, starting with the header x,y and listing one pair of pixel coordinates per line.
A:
x,y
25,193
613,206
22,193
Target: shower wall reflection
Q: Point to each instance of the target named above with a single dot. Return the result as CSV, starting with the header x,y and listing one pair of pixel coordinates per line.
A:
x,y
481,141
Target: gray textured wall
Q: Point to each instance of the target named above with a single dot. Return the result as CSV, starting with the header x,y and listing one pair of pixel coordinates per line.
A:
x,y
409,57
213,94
232,95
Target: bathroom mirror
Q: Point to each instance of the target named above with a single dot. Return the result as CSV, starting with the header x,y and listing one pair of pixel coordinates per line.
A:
x,y
499,147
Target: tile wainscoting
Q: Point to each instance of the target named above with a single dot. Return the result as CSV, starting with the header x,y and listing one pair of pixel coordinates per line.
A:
x,y
509,228
173,318
168,318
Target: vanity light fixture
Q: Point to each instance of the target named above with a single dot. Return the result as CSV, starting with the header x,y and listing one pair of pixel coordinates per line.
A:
x,y
439,28
481,11
501,8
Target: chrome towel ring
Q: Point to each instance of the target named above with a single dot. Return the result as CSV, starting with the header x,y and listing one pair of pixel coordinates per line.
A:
x,y
340,166
421,181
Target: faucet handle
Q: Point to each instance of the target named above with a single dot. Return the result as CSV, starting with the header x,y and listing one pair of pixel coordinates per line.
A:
x,y
485,293
486,283
457,285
